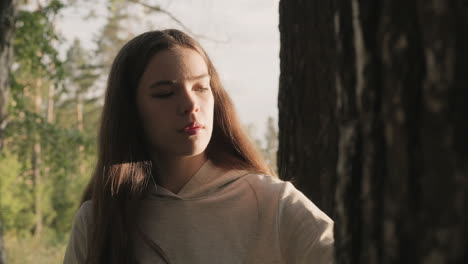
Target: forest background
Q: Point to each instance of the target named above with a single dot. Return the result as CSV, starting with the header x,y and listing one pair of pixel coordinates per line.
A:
x,y
371,113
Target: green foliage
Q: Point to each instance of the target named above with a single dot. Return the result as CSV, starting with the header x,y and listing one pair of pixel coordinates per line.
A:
x,y
17,199
66,152
33,46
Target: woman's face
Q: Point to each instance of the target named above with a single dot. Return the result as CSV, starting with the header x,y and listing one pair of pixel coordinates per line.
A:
x,y
173,95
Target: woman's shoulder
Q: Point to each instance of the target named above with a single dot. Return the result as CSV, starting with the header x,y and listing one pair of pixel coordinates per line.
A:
x,y
86,206
84,211
77,246
271,185
289,199
82,220
264,182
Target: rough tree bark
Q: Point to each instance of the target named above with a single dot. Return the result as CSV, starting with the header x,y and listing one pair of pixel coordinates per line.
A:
x,y
401,86
307,150
403,160
7,13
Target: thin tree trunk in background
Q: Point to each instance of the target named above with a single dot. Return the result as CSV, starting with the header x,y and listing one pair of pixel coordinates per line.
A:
x,y
37,163
50,115
7,25
79,112
79,118
51,103
307,149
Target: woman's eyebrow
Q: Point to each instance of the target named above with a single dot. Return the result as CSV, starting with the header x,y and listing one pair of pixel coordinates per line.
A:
x,y
173,82
162,82
199,77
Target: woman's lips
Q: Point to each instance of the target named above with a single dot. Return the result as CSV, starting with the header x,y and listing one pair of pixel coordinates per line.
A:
x,y
192,130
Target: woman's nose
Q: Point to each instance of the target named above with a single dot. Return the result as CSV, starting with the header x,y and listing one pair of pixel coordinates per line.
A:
x,y
188,103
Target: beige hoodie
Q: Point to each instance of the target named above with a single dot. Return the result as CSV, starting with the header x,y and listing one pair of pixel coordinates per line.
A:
x,y
224,217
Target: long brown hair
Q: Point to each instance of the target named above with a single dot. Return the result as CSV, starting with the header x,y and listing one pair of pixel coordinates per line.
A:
x,y
123,168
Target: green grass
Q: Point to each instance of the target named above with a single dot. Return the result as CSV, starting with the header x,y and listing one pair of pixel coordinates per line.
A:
x,y
31,250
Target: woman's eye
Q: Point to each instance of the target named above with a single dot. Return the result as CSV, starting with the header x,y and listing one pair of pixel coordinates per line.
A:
x,y
161,95
203,89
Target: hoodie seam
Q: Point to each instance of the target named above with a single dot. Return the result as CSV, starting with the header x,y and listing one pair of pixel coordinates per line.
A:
x,y
258,216
278,220
278,216
256,198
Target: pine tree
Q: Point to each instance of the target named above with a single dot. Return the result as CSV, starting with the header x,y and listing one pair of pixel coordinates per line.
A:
x,y
397,73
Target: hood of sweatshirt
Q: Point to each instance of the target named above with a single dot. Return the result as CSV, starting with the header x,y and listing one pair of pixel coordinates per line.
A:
x,y
207,180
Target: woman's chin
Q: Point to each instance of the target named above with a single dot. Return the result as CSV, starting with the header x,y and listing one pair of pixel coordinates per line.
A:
x,y
189,150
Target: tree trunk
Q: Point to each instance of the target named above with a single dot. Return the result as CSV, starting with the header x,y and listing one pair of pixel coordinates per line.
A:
x,y
7,25
37,163
401,91
307,150
51,103
403,163
79,112
7,10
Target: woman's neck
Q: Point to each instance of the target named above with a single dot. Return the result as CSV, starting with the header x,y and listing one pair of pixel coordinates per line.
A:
x,y
174,172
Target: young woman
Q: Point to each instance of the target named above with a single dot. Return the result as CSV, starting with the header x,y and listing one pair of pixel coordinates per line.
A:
x,y
177,180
